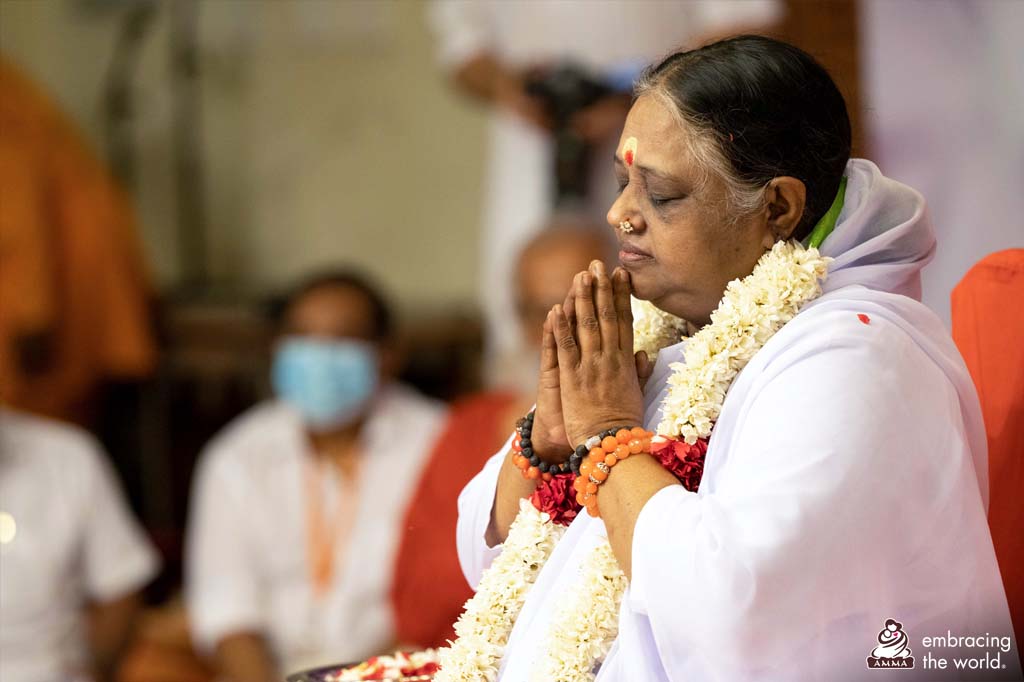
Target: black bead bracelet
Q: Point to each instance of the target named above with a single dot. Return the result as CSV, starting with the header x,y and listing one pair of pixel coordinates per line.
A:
x,y
524,427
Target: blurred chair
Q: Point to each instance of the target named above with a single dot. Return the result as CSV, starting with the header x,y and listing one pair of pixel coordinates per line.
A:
x,y
988,327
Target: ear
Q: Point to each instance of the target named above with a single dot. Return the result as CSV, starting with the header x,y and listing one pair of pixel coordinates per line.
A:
x,y
785,198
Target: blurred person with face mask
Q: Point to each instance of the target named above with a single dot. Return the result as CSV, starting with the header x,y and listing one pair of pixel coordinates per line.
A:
x,y
72,558
297,504
429,589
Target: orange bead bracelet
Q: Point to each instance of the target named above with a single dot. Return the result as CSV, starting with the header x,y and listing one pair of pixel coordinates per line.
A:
x,y
607,451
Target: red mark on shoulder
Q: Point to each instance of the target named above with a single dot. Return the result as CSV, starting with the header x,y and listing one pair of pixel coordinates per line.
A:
x,y
629,157
863,318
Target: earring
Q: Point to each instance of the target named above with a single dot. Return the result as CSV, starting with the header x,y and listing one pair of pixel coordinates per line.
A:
x,y
625,226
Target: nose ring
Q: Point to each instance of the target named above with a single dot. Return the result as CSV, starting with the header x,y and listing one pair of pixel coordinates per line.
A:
x,y
625,226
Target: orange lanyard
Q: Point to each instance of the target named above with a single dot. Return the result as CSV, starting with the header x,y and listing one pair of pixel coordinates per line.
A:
x,y
324,536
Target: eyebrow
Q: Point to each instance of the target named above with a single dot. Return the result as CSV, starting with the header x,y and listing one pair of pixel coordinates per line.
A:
x,y
646,170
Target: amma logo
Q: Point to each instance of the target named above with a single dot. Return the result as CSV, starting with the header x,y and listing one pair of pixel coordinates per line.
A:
x,y
893,650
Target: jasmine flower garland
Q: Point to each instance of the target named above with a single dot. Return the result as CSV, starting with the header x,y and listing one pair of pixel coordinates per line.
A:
x,y
654,329
483,628
750,313
586,624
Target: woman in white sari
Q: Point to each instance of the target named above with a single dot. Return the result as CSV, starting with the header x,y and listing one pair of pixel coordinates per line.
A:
x,y
840,517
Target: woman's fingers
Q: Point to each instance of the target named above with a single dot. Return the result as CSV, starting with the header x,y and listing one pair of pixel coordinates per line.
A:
x,y
604,303
548,348
622,290
568,349
644,368
569,307
588,332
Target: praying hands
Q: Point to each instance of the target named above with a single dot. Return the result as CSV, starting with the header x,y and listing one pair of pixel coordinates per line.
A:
x,y
589,342
590,382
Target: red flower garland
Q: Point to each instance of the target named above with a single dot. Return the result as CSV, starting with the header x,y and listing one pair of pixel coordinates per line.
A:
x,y
557,499
682,460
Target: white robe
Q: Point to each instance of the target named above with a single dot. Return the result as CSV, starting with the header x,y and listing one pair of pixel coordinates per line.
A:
x,y
845,484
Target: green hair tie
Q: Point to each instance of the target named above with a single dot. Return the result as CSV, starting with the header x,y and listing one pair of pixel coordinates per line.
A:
x,y
828,221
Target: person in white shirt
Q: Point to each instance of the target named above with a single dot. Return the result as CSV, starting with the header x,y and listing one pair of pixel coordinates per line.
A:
x,y
490,47
72,558
297,505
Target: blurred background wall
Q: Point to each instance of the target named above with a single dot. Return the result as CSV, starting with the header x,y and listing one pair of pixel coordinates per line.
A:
x,y
325,128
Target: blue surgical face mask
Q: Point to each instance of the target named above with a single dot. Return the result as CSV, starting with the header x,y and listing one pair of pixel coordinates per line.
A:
x,y
329,382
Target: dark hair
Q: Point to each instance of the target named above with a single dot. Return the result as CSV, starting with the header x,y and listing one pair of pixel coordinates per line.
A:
x,y
383,322
771,110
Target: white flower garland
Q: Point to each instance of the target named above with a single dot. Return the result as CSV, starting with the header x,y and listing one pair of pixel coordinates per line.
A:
x,y
483,628
587,622
751,311
653,328
585,625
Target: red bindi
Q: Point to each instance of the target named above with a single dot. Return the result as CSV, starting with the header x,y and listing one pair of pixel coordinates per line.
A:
x,y
629,151
863,318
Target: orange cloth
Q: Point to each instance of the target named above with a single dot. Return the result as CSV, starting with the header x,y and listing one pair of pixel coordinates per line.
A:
x,y
328,534
988,327
429,588
70,265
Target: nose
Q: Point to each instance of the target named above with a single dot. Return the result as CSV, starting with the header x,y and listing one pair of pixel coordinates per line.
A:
x,y
623,210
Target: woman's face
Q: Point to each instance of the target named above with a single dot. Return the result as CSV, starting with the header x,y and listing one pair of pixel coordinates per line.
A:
x,y
684,247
